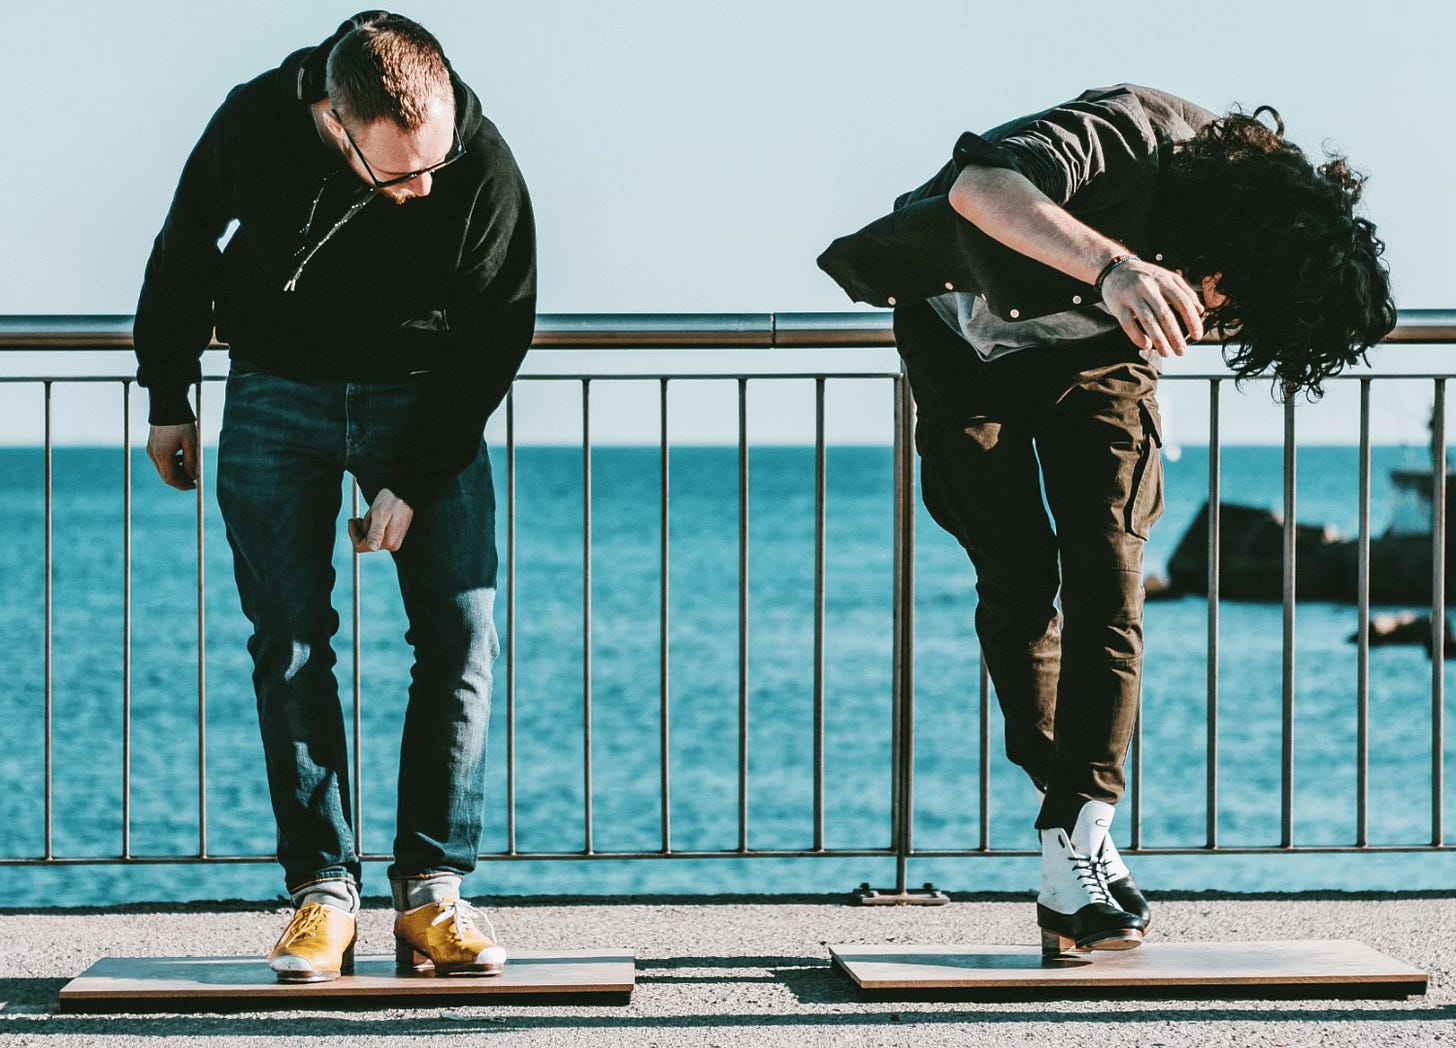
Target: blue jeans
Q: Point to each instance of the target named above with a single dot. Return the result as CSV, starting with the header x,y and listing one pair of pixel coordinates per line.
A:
x,y
284,448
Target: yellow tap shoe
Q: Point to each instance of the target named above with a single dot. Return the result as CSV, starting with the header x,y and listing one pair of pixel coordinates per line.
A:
x,y
443,937
317,945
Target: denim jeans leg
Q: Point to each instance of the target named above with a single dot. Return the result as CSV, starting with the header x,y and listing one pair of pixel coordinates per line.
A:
x,y
447,567
447,575
279,474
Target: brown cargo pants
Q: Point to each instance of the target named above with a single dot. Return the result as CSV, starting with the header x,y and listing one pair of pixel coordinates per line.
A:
x,y
1079,424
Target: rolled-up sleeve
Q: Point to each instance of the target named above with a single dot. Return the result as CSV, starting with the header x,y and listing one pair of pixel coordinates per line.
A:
x,y
1098,156
1063,150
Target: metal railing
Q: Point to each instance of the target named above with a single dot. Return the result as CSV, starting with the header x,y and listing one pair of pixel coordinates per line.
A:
x,y
765,332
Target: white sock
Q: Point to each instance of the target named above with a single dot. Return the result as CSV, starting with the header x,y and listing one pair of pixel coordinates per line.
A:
x,y
416,892
340,895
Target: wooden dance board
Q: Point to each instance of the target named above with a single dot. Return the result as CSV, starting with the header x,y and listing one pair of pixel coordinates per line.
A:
x,y
209,983
1182,969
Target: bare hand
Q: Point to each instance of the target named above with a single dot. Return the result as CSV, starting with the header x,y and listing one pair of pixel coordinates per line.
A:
x,y
384,526
173,450
1148,301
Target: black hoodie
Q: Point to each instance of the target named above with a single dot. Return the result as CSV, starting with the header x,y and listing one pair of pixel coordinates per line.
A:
x,y
445,283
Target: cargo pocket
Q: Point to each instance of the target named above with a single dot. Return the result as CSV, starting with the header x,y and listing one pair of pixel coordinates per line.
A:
x,y
1145,497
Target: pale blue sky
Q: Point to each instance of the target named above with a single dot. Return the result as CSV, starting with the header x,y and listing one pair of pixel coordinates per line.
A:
x,y
698,156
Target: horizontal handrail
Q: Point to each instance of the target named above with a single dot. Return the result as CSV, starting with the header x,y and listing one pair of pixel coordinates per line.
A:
x,y
849,330
728,331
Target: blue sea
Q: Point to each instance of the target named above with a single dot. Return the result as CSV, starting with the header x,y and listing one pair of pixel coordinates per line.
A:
x,y
88,690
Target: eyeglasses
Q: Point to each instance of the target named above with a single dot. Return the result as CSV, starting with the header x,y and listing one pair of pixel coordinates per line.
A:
x,y
457,150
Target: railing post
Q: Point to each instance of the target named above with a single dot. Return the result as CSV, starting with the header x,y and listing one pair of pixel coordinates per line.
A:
x,y
1438,613
357,690
1362,633
902,803
586,617
511,622
903,731
743,611
664,613
1286,764
49,695
983,755
820,528
1215,551
201,643
126,619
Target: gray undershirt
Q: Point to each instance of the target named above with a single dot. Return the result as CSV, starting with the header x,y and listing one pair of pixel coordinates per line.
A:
x,y
991,337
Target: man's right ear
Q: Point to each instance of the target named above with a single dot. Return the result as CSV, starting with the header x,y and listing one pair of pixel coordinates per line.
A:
x,y
330,122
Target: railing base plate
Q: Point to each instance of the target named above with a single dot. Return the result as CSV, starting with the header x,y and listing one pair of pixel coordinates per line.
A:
x,y
928,895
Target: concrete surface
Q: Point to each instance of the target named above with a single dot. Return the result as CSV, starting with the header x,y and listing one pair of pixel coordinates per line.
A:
x,y
745,971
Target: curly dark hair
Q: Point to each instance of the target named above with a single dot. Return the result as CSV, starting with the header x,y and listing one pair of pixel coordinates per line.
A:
x,y
1306,291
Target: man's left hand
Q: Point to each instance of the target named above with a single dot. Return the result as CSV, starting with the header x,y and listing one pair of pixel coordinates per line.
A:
x,y
1155,306
384,526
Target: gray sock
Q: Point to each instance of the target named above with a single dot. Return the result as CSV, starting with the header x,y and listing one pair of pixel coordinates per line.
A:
x,y
341,895
418,891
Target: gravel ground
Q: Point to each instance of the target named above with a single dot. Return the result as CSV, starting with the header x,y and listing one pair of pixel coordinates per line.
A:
x,y
741,971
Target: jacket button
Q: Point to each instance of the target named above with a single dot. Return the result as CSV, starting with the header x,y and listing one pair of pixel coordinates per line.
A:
x,y
949,286
891,300
1158,257
1076,300
1015,313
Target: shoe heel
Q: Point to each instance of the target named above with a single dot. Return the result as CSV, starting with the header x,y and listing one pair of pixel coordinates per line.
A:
x,y
1054,944
408,959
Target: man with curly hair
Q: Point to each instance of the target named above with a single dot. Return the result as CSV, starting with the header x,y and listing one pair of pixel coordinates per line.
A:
x,y
1037,280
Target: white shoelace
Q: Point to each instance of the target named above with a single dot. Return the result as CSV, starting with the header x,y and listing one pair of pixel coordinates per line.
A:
x,y
464,915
